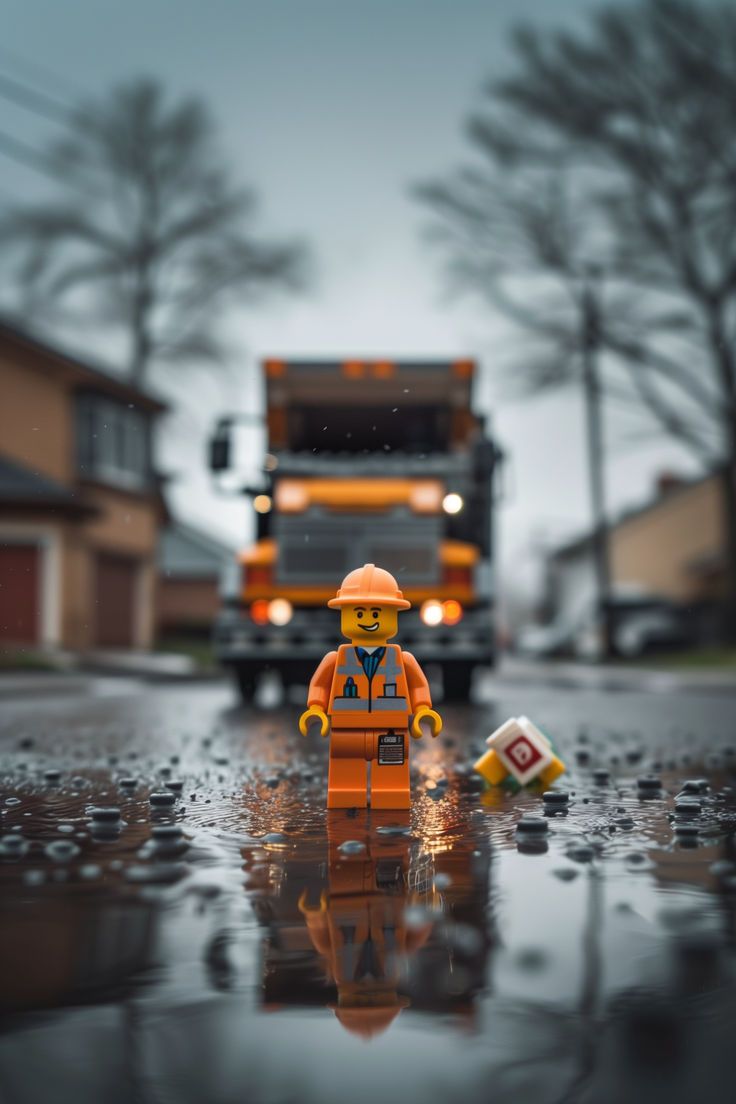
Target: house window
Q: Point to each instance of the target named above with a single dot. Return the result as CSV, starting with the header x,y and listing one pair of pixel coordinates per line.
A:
x,y
112,442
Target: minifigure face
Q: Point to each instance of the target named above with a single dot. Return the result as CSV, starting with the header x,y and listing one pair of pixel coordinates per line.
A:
x,y
368,624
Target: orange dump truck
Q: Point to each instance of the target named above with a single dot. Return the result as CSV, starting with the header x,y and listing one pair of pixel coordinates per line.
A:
x,y
368,462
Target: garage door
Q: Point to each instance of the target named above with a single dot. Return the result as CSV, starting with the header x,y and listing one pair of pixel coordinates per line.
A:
x,y
20,593
115,601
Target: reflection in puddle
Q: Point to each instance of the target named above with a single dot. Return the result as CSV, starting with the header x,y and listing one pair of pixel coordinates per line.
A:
x,y
374,924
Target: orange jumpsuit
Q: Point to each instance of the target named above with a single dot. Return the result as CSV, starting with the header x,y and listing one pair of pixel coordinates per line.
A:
x,y
369,720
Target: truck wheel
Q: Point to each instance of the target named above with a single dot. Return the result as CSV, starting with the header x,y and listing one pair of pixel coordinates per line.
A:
x,y
247,681
457,679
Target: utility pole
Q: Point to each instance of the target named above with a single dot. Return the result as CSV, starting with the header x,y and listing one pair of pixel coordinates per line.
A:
x,y
590,319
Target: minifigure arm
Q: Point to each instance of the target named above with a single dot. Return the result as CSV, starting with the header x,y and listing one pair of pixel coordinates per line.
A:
x,y
321,684
417,683
420,699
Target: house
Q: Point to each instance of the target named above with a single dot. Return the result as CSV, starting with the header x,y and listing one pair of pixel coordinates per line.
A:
x,y
80,503
194,569
672,546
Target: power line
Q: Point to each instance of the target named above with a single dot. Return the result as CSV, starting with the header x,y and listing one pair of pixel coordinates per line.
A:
x,y
26,155
41,104
29,98
32,71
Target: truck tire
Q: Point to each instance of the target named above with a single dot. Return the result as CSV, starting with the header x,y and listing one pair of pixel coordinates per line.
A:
x,y
246,678
457,679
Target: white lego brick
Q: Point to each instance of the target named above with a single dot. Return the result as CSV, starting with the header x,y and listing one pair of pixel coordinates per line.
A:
x,y
522,748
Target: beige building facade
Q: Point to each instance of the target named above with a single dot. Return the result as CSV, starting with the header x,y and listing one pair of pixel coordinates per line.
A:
x,y
673,547
80,504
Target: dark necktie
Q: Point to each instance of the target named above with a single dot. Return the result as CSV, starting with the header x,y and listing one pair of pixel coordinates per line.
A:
x,y
370,660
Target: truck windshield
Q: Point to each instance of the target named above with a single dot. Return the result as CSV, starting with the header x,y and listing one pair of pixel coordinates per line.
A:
x,y
373,428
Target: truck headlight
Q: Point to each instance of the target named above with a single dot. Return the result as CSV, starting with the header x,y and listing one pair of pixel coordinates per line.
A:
x,y
452,503
431,612
280,611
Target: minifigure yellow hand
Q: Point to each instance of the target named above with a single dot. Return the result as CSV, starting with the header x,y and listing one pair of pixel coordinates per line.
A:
x,y
314,713
424,713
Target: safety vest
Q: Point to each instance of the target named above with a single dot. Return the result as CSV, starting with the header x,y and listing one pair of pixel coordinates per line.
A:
x,y
359,702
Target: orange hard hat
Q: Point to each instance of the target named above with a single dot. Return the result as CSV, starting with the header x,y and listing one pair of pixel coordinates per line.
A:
x,y
369,584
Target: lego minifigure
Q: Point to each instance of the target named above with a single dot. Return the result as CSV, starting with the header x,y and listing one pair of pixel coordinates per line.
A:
x,y
521,750
364,695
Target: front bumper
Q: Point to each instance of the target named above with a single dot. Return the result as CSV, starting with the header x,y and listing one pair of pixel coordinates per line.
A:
x,y
312,632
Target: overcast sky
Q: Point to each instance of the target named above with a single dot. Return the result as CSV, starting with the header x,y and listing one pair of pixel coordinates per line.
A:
x,y
331,109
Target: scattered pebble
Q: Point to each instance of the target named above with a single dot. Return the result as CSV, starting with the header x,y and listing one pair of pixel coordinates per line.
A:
x,y
155,873
12,846
649,784
167,832
34,877
555,797
61,851
695,786
105,814
90,872
162,798
566,873
687,806
581,852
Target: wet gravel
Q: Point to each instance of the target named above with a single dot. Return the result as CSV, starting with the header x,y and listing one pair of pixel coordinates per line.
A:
x,y
167,863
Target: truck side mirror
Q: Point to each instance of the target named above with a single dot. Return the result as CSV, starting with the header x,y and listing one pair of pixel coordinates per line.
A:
x,y
220,447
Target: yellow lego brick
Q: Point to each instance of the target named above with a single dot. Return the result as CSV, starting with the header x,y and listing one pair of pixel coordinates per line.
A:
x,y
553,771
491,768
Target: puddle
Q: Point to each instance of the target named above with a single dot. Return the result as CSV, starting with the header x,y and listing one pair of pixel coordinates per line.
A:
x,y
181,918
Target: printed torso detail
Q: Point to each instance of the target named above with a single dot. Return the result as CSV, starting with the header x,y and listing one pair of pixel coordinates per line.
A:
x,y
374,699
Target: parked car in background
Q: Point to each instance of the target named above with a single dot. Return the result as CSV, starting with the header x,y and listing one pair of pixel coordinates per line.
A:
x,y
640,623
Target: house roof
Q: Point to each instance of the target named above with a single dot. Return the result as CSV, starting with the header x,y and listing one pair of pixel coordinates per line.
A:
x,y
188,552
583,541
22,487
82,371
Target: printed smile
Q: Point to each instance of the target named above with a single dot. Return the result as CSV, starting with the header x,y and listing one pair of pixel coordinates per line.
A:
x,y
370,628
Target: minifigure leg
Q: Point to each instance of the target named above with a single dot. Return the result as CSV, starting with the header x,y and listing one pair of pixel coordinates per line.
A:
x,y
390,786
553,771
347,784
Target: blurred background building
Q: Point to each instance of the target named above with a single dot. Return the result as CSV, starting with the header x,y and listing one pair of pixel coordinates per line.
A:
x,y
80,502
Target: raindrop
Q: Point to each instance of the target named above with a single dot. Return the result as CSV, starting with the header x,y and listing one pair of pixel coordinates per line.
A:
x,y
352,847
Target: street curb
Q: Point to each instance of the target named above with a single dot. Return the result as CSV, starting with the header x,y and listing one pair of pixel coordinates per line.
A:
x,y
624,679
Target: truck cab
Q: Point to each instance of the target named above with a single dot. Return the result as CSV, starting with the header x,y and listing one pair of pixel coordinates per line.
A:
x,y
368,462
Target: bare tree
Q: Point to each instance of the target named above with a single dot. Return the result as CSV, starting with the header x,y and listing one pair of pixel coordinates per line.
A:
x,y
614,148
146,227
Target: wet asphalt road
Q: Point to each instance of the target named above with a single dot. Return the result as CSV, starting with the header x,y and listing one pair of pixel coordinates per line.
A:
x,y
222,938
